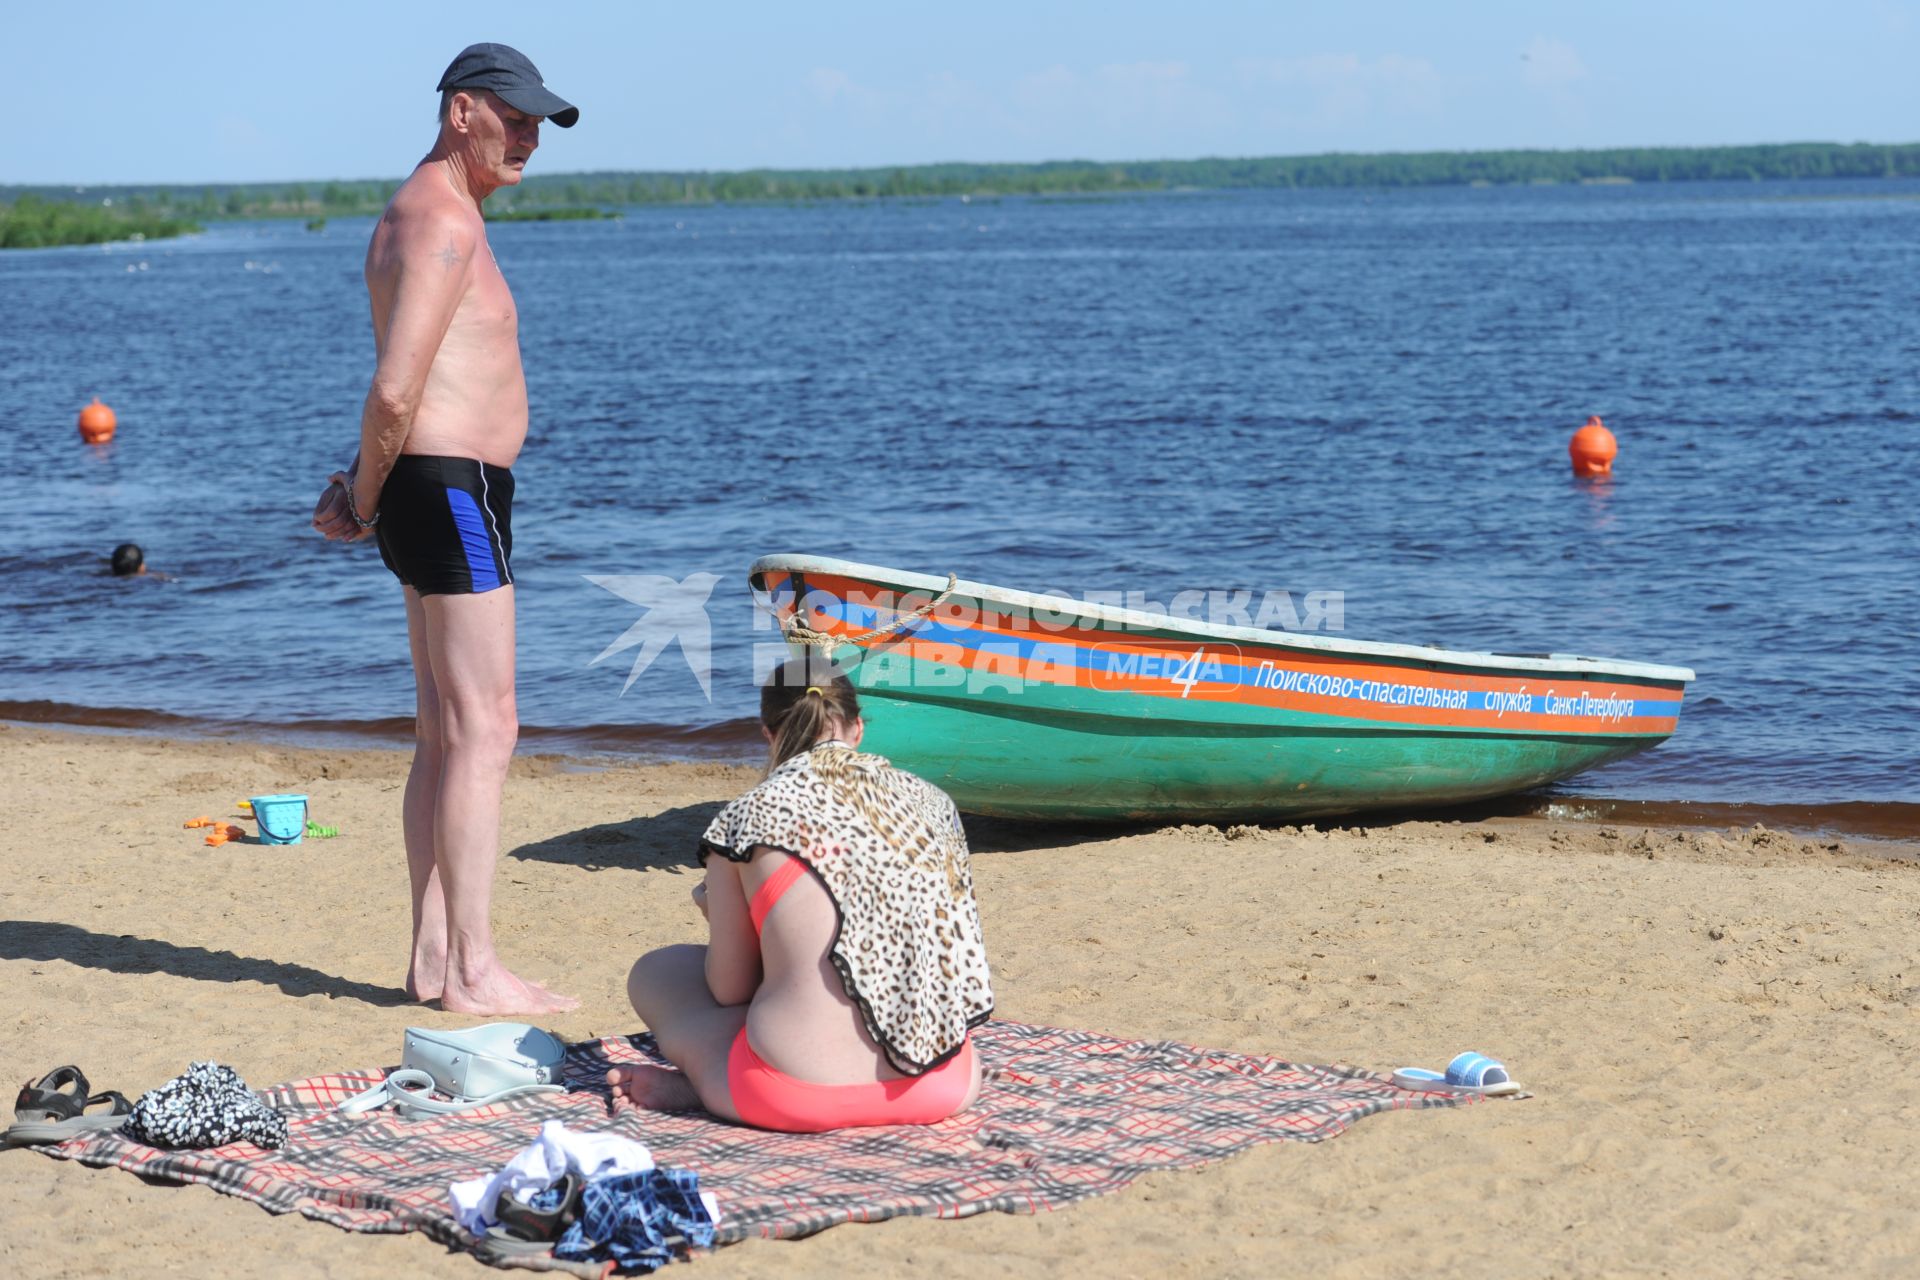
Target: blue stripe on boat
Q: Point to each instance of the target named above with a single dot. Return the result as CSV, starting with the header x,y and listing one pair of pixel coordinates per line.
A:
x,y
473,539
1223,668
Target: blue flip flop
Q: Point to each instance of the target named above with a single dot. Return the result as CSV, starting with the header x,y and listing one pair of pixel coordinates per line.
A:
x,y
1468,1073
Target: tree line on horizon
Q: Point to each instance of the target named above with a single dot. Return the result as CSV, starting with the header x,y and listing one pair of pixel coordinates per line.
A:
x,y
1810,160
32,222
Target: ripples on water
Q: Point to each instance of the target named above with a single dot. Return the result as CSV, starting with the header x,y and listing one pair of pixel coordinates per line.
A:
x,y
1313,390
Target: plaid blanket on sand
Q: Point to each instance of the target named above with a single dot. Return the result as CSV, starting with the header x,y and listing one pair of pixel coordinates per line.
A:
x,y
1064,1115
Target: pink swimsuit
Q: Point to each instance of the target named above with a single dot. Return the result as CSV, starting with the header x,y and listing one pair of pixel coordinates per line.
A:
x,y
768,1098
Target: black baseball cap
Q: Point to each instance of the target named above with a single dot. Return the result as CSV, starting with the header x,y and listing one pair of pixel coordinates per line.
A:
x,y
511,75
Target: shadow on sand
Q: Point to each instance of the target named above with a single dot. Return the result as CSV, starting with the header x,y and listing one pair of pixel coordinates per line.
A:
x,y
124,953
671,840
1021,835
655,842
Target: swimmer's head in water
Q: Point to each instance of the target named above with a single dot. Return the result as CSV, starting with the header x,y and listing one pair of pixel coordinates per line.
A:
x,y
128,560
793,719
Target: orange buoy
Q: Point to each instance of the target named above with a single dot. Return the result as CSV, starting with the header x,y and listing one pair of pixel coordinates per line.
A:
x,y
97,423
1593,450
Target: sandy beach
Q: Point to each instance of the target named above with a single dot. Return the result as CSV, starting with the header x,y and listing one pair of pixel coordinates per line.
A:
x,y
1716,1025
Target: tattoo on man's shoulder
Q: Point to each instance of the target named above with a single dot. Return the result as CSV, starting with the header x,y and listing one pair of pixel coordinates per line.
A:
x,y
450,256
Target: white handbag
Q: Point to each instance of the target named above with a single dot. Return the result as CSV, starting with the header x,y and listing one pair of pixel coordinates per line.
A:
x,y
472,1068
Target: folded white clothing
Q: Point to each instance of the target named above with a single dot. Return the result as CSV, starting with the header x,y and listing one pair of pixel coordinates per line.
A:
x,y
546,1160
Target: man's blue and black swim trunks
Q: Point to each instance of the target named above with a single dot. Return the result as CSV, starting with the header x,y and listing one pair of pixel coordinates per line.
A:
x,y
446,524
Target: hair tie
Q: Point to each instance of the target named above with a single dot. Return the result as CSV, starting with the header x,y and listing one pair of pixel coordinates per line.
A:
x,y
815,692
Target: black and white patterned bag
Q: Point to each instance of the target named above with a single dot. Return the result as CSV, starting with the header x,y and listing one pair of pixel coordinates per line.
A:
x,y
206,1106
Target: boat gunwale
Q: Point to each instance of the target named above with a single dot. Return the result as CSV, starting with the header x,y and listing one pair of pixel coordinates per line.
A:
x,y
1185,726
1147,624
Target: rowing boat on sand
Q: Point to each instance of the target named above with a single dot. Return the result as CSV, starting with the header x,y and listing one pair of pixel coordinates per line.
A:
x,y
1037,706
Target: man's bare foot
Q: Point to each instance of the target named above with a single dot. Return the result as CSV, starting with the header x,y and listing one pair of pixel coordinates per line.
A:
x,y
496,991
426,978
655,1088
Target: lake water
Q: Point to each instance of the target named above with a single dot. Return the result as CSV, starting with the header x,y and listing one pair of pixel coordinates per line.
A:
x,y
1333,391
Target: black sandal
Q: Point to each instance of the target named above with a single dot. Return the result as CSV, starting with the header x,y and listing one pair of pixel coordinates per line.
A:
x,y
520,1221
54,1110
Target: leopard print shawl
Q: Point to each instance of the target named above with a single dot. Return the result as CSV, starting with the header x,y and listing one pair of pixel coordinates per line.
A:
x,y
891,852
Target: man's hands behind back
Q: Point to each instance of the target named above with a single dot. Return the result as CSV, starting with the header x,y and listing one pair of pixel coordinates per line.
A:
x,y
333,514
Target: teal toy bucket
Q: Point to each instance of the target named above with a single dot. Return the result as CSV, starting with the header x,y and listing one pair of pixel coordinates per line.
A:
x,y
282,819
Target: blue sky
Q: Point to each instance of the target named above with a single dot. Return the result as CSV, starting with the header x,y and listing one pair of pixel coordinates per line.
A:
x,y
112,91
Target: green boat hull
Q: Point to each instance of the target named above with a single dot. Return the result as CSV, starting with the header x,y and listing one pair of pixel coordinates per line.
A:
x,y
1009,762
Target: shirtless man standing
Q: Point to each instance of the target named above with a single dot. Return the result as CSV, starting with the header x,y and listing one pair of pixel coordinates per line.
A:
x,y
445,418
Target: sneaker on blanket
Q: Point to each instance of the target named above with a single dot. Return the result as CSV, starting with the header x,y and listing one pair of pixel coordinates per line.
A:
x,y
1468,1073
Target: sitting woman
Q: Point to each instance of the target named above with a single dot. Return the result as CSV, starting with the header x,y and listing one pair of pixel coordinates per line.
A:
x,y
845,965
